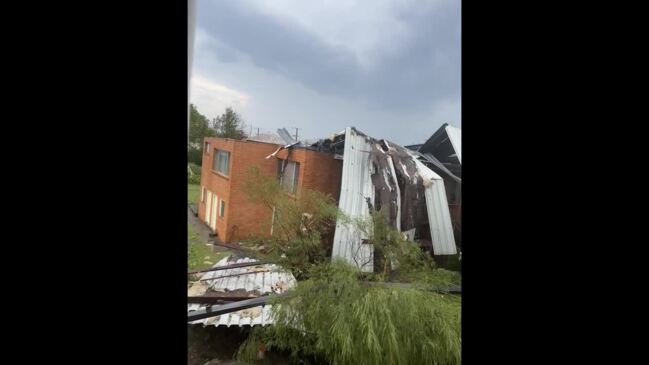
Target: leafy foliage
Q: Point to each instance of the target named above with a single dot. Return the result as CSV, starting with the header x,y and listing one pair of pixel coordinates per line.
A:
x,y
338,316
193,173
333,317
299,224
198,129
230,125
400,260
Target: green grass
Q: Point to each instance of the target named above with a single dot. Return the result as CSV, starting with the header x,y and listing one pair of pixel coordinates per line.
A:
x,y
199,254
193,192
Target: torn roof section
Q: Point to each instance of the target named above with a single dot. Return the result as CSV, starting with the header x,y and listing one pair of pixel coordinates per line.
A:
x,y
356,189
445,145
455,136
267,138
282,137
381,175
252,281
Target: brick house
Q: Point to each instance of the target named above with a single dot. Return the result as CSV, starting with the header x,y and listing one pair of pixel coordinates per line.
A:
x,y
223,205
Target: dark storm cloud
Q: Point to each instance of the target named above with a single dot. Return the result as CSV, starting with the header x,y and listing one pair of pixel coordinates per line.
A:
x,y
425,70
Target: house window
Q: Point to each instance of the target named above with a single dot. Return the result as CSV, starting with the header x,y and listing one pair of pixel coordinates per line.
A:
x,y
207,148
222,209
203,193
288,173
221,161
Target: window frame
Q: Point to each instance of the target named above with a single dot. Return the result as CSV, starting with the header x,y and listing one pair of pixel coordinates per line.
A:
x,y
295,178
221,213
216,161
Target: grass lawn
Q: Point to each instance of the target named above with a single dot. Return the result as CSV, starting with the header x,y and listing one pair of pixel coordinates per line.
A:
x,y
193,192
199,254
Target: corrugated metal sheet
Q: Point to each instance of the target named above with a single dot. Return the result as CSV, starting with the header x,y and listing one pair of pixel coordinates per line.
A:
x,y
455,136
286,137
356,186
267,138
261,280
439,216
430,158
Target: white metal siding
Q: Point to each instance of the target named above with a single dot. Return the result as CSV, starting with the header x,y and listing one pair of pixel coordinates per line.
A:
x,y
455,136
439,217
356,185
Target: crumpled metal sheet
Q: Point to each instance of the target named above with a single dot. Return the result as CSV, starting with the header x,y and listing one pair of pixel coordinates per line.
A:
x,y
356,186
260,280
380,175
439,216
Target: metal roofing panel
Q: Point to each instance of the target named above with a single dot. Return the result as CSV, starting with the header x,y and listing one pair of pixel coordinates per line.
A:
x,y
433,160
262,282
267,138
455,136
356,186
286,136
439,217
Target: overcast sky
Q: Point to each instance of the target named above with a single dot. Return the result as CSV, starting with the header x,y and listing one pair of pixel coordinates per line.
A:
x,y
389,68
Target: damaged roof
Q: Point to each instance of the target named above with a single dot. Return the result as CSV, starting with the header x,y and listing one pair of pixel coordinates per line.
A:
x,y
381,175
252,281
445,144
267,138
455,136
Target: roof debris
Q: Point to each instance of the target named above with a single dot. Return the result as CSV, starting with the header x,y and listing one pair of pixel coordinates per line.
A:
x,y
370,181
238,283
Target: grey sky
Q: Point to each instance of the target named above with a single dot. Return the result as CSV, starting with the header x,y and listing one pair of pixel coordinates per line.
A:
x,y
389,68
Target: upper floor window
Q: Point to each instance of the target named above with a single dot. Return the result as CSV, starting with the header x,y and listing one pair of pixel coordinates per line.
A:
x,y
288,173
221,162
207,148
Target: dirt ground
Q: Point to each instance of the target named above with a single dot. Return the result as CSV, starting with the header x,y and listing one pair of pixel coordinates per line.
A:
x,y
218,345
213,343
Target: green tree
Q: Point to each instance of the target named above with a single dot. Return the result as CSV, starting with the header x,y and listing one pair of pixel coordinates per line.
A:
x,y
198,129
230,125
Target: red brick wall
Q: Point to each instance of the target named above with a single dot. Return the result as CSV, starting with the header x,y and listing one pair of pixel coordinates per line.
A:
x,y
324,173
249,219
215,182
243,219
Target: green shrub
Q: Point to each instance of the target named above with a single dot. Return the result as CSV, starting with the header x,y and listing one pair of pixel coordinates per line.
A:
x,y
335,318
193,173
195,155
336,315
